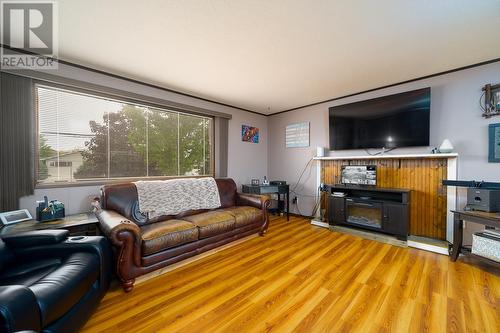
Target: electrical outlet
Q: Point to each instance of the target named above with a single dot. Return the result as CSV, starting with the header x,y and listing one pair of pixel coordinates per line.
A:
x,y
295,200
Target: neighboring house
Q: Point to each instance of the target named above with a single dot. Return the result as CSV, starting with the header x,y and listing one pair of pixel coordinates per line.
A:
x,y
62,167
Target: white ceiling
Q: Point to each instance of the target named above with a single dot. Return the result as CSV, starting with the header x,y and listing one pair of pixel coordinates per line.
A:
x,y
270,56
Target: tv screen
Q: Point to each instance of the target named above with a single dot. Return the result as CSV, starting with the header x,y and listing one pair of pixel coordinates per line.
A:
x,y
359,174
400,120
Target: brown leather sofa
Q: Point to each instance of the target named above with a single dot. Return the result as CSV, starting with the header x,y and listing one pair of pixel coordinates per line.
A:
x,y
144,245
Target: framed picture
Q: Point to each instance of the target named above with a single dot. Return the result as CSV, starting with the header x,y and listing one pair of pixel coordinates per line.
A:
x,y
494,143
249,134
297,135
15,216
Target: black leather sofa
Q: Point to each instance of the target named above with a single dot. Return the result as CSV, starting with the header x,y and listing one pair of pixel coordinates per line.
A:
x,y
50,282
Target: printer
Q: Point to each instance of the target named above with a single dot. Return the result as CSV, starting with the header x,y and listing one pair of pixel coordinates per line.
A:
x,y
482,199
481,196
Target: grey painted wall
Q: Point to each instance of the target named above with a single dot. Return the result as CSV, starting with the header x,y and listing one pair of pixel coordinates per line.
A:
x,y
245,160
455,114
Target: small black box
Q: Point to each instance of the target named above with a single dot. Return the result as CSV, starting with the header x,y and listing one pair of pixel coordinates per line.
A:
x,y
485,200
277,182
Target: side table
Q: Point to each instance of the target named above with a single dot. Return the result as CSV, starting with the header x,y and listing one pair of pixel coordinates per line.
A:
x,y
268,189
459,216
85,224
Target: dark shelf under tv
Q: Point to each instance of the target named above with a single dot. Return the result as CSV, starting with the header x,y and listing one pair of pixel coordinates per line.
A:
x,y
383,210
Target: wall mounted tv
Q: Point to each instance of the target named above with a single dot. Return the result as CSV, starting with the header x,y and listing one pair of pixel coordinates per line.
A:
x,y
400,120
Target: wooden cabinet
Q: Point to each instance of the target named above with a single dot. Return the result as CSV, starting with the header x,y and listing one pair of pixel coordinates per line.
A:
x,y
422,175
376,209
336,211
393,218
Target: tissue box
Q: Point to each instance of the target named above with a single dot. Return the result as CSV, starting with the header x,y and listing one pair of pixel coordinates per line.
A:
x,y
487,244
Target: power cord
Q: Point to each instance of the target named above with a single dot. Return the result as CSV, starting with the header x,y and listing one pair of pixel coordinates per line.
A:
x,y
298,210
301,174
317,196
318,202
293,190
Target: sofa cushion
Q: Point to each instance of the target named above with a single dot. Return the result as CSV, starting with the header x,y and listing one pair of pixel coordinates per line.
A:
x,y
58,291
245,215
164,235
212,223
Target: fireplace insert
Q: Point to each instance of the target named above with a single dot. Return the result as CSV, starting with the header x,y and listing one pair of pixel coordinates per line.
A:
x,y
361,212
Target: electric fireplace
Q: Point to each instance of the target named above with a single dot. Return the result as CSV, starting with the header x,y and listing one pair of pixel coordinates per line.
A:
x,y
360,212
383,210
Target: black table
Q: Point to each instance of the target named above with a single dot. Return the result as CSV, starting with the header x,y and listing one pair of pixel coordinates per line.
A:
x,y
271,189
459,216
85,224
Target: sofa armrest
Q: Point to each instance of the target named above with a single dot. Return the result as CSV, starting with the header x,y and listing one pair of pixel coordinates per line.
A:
x,y
112,224
35,238
18,309
125,235
258,201
97,245
253,200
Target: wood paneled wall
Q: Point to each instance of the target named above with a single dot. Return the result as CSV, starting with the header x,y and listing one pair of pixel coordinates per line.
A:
x,y
423,176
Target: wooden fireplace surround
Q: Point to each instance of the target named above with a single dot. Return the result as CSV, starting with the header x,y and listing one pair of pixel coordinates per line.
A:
x,y
422,174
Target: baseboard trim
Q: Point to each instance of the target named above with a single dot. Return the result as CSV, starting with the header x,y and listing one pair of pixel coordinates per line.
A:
x,y
283,214
320,223
427,246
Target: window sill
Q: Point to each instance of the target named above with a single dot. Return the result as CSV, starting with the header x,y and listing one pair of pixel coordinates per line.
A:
x,y
99,182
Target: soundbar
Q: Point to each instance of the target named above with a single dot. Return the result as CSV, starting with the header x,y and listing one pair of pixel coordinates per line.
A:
x,y
472,183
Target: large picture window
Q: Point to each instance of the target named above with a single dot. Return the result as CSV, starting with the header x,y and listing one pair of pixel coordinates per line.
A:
x,y
84,137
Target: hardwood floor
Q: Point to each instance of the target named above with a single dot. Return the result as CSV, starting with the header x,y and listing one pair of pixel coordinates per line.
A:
x,y
301,278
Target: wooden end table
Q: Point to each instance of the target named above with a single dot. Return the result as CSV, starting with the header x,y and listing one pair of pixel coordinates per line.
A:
x,y
85,224
459,216
270,189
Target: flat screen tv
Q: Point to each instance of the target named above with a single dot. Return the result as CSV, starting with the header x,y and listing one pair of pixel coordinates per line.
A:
x,y
359,174
400,120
